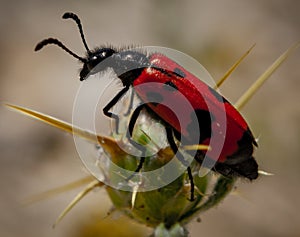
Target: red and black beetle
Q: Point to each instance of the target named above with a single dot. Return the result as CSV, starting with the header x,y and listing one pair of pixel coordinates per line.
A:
x,y
135,68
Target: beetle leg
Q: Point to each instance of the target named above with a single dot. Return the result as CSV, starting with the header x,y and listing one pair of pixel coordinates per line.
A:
x,y
131,125
111,104
130,104
180,157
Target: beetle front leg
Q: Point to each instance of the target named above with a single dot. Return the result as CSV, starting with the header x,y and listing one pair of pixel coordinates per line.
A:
x,y
112,103
130,104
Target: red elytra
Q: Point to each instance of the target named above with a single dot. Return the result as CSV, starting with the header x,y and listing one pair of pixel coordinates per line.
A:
x,y
199,95
135,68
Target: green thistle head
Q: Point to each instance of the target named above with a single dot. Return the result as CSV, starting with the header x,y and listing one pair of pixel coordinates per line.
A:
x,y
167,208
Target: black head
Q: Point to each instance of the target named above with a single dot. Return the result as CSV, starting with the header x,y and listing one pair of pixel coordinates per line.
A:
x,y
92,58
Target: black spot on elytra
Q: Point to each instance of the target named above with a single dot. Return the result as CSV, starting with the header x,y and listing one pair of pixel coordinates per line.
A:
x,y
218,96
154,97
165,72
244,151
170,86
177,134
202,121
179,72
241,163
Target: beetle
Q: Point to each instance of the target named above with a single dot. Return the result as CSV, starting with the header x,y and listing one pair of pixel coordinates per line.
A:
x,y
135,68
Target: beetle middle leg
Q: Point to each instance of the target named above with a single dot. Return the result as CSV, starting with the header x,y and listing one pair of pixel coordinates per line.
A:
x,y
181,158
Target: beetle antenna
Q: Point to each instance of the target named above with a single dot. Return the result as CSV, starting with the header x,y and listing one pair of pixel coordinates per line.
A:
x,y
45,42
70,15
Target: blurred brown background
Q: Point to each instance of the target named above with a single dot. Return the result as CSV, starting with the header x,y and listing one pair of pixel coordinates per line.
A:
x,y
35,157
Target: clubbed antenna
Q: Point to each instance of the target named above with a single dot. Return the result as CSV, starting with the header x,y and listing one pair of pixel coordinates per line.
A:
x,y
70,15
45,42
